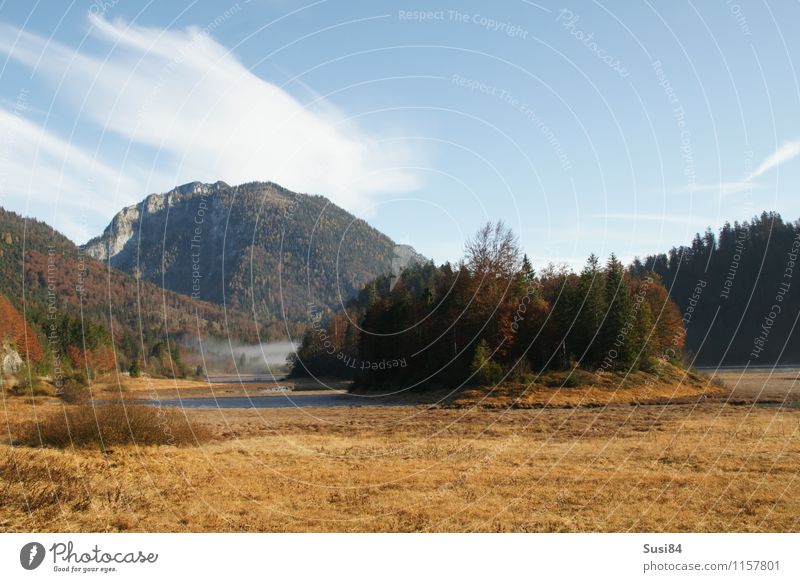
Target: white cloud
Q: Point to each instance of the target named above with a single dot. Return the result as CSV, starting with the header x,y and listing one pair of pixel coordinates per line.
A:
x,y
788,151
36,166
198,114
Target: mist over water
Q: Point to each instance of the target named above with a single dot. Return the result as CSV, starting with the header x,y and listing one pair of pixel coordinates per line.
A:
x,y
219,355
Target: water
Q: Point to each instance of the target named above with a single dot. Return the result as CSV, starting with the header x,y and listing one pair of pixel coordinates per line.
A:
x,y
224,378
294,400
750,368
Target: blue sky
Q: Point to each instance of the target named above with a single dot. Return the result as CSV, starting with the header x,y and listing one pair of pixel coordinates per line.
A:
x,y
587,126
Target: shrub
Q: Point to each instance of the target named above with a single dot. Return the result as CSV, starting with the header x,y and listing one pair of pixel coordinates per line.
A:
x,y
522,372
136,368
75,388
718,382
583,377
117,423
570,381
28,383
485,370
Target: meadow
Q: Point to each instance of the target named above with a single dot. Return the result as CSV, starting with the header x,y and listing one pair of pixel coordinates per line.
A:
x,y
702,466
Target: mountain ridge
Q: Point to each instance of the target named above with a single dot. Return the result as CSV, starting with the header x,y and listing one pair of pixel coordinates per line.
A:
x,y
257,247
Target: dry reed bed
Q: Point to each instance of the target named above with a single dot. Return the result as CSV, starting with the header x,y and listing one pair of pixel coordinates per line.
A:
x,y
649,468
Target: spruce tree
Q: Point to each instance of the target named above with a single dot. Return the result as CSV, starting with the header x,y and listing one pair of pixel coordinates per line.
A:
x,y
616,336
590,306
643,337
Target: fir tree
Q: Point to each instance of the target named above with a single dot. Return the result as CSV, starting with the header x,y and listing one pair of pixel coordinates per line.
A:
x,y
589,304
616,337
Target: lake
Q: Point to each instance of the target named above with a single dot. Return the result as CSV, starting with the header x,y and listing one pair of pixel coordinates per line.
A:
x,y
293,400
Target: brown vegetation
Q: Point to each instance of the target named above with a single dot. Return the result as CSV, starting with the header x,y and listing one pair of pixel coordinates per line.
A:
x,y
584,388
110,424
18,333
707,467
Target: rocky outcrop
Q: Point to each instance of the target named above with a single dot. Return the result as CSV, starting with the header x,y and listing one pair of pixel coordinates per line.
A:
x,y
117,235
405,256
10,360
257,247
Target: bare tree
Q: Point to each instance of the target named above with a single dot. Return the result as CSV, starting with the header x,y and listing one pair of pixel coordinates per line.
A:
x,y
493,251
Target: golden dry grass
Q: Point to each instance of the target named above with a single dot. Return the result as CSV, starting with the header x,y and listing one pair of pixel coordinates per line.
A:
x,y
584,388
708,467
113,385
105,425
763,385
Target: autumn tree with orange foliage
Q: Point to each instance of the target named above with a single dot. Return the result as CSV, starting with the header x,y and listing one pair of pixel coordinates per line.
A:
x,y
669,333
15,331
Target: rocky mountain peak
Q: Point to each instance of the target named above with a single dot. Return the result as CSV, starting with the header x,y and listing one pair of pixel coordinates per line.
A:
x,y
256,246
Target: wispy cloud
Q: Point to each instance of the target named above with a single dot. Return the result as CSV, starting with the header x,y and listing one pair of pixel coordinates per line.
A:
x,y
788,151
188,109
37,165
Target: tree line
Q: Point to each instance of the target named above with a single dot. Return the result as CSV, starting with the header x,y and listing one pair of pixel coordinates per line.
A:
x,y
492,318
739,286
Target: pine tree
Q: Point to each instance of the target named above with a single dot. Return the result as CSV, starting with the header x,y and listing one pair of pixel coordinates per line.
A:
x,y
643,335
590,306
526,270
616,337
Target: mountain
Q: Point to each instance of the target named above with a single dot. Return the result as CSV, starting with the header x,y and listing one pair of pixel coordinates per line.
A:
x,y
75,301
257,248
738,291
261,249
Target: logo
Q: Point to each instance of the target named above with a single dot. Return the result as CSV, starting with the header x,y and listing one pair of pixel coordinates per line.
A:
x,y
31,555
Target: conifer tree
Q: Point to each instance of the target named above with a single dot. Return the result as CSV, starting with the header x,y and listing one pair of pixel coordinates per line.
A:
x,y
589,304
642,340
616,337
484,369
135,369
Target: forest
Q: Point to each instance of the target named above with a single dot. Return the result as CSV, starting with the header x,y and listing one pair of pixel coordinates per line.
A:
x,y
69,315
747,307
727,298
491,318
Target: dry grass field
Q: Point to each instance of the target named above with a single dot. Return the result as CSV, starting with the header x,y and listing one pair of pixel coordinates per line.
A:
x,y
777,386
690,467
582,388
167,388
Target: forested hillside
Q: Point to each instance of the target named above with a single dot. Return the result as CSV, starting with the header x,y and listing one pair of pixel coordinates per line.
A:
x,y
727,299
256,247
739,290
85,314
490,316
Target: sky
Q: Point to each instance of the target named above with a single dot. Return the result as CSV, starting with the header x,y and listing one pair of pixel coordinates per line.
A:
x,y
586,126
